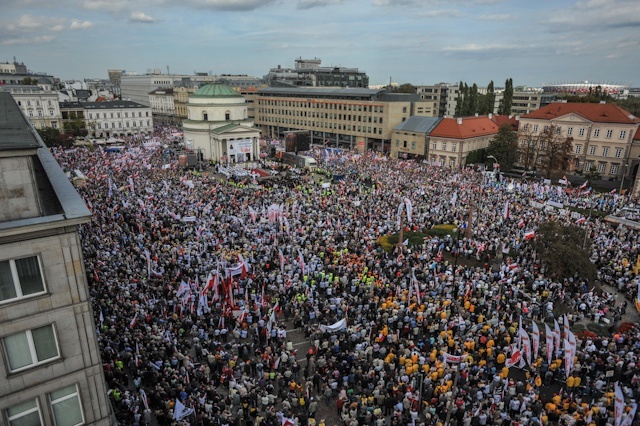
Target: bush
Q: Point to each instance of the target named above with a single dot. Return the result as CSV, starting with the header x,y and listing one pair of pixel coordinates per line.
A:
x,y
389,241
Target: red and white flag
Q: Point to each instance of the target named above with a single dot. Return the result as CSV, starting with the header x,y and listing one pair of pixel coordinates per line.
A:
x,y
618,404
515,357
506,212
133,321
521,223
581,220
530,235
301,261
281,258
535,339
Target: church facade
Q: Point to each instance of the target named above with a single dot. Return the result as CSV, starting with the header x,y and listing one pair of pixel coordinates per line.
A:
x,y
218,126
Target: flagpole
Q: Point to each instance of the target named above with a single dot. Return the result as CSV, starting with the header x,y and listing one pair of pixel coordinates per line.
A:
x,y
401,233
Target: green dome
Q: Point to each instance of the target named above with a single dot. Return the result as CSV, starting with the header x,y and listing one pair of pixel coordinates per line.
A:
x,y
216,90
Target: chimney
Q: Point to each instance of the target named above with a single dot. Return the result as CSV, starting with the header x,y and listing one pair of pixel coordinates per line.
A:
x,y
459,120
517,118
476,114
490,116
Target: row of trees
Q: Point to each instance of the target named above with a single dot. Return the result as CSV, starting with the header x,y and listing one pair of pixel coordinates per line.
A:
x,y
72,129
471,102
549,151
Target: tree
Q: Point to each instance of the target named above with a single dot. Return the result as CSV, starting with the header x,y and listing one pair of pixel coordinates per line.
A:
x,y
555,151
459,100
528,148
504,146
507,100
405,88
29,81
486,101
50,136
560,250
77,127
473,100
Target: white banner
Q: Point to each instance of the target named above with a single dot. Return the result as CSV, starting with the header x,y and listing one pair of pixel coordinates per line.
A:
x,y
453,359
239,146
337,326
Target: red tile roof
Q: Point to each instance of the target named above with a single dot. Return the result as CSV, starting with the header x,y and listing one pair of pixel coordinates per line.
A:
x,y
504,119
597,113
636,137
471,127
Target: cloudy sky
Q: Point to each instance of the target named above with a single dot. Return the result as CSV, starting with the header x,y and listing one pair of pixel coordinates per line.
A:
x,y
411,41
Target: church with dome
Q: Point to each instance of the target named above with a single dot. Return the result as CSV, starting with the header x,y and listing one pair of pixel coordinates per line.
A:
x,y
218,125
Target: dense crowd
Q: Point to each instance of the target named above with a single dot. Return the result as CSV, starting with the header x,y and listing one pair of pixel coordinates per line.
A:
x,y
195,279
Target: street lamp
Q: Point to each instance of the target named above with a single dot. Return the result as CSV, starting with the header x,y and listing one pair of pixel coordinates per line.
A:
x,y
454,387
624,168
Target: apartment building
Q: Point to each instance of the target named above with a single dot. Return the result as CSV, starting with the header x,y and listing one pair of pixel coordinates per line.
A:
x,y
342,117
106,119
308,72
163,105
524,101
602,135
452,139
39,104
410,138
181,100
50,369
439,94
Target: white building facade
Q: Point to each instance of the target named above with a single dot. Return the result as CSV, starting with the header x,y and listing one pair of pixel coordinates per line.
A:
x,y
39,104
218,125
123,118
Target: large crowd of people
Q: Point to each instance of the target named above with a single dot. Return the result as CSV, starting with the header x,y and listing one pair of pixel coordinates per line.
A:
x,y
198,282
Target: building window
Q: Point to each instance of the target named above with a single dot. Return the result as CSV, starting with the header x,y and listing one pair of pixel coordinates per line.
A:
x,y
444,146
558,130
31,347
596,133
51,112
569,130
397,143
535,128
623,134
605,151
413,145
588,166
404,110
578,149
20,278
434,145
452,163
618,152
614,169
602,167
592,150
66,407
581,131
27,413
454,147
609,133
404,144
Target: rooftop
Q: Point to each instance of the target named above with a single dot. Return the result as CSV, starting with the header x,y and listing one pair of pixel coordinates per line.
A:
x,y
469,127
112,105
418,124
13,132
216,90
597,113
321,91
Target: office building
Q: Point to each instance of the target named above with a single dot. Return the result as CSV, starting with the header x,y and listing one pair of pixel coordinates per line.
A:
x,y
342,117
410,138
50,368
308,72
109,119
39,103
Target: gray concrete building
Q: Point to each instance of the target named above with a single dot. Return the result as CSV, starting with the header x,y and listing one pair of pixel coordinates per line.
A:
x,y
50,366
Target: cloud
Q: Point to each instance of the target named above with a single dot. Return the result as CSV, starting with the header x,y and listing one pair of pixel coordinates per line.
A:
x,y
229,5
495,17
479,48
28,40
446,13
309,4
27,23
108,5
142,17
80,25
597,14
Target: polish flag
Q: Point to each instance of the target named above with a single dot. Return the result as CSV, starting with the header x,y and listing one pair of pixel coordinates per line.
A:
x,y
301,261
581,220
529,235
133,321
515,357
506,212
521,223
281,257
